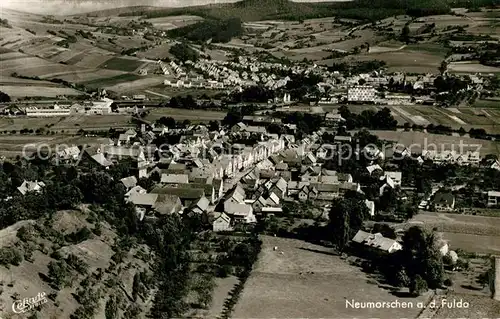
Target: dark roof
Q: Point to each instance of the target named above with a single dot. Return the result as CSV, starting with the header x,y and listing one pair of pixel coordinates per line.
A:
x,y
444,198
182,192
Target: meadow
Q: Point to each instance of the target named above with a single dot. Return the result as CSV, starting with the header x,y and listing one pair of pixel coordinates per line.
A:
x,y
302,280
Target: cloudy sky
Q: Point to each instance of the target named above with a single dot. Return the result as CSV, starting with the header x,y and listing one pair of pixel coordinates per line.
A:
x,y
79,6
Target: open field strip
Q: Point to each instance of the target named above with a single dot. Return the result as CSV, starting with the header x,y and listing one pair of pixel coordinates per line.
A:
x,y
183,114
37,91
302,280
468,67
470,233
420,141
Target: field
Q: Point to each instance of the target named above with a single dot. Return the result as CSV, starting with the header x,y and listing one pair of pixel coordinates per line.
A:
x,y
169,23
471,67
74,122
182,114
301,280
122,64
14,145
418,141
111,81
471,233
37,91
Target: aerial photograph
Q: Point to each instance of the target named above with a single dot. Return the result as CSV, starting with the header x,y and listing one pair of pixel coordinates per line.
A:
x,y
250,159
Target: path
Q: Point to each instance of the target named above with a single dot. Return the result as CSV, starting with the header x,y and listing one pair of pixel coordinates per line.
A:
x,y
157,94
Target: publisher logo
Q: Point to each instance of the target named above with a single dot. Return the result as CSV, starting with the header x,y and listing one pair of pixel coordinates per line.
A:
x,y
27,304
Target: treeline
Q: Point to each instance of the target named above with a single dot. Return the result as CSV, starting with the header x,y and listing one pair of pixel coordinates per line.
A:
x,y
357,67
365,10
381,120
183,52
220,31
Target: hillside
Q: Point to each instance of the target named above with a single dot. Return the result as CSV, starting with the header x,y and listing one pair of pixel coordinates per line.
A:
x,y
84,253
253,10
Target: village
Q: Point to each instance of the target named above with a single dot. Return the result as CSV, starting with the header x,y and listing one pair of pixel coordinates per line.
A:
x,y
251,159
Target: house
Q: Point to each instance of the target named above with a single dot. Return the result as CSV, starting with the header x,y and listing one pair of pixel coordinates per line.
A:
x,y
240,212
68,153
339,139
101,159
373,153
279,188
273,200
400,151
129,182
303,194
375,242
236,196
493,198
117,153
221,222
187,195
258,204
218,185
496,165
334,119
444,201
174,179
373,168
135,190
200,206
167,204
309,159
371,207
28,187
142,203
387,183
395,176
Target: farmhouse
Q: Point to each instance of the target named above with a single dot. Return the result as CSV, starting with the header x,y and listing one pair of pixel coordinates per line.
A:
x,y
444,201
375,242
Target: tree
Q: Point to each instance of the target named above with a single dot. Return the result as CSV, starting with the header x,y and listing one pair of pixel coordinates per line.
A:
x,y
405,34
4,97
443,67
136,286
346,218
111,310
402,279
418,286
213,125
183,52
421,257
59,274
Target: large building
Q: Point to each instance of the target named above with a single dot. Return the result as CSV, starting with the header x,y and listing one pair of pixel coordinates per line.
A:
x,y
56,110
100,107
361,93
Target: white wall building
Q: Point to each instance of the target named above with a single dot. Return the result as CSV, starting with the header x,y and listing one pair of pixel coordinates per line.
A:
x,y
56,110
361,93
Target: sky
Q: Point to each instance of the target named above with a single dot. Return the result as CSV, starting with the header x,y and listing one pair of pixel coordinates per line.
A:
x,y
62,7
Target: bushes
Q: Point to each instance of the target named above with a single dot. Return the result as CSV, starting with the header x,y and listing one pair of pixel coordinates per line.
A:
x,y
217,30
418,286
10,256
